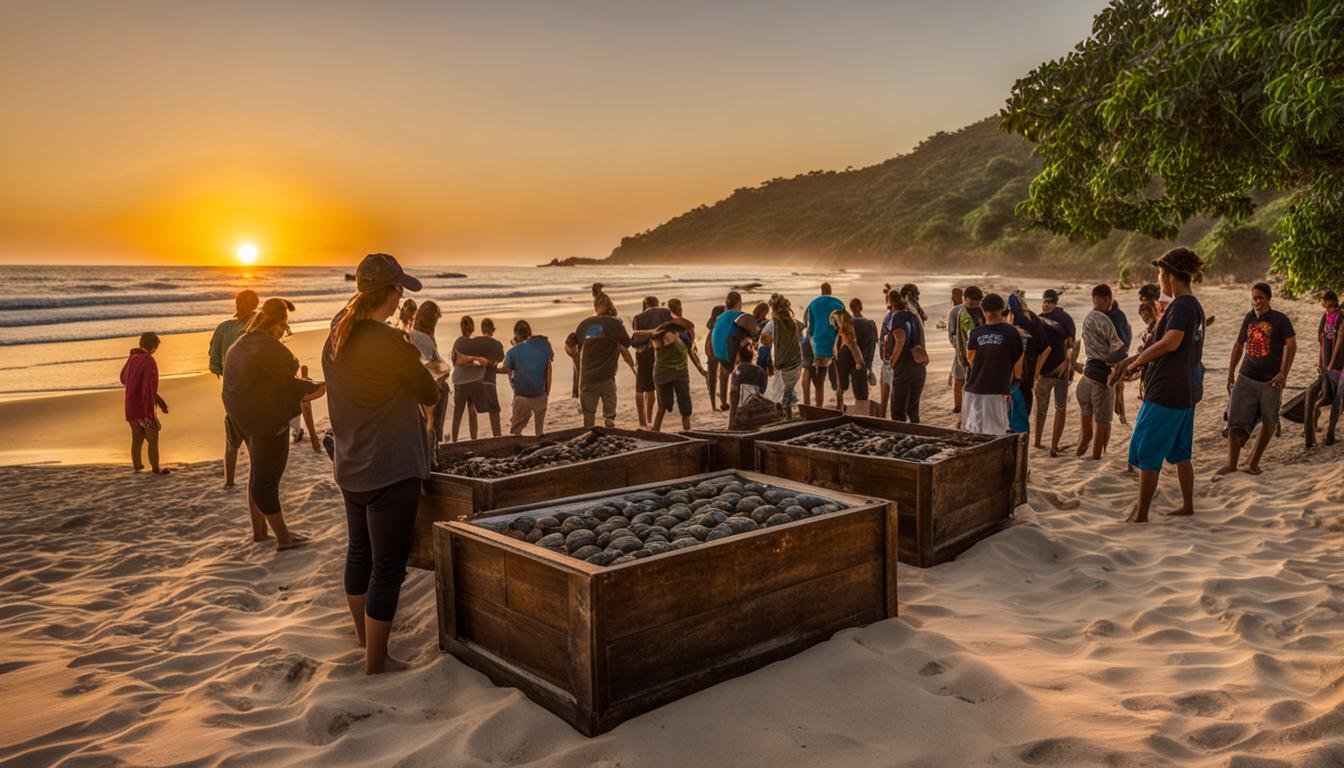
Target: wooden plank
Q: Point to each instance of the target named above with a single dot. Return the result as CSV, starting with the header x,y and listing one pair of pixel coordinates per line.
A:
x,y
695,645
444,585
479,569
891,536
738,568
502,672
436,507
540,649
537,591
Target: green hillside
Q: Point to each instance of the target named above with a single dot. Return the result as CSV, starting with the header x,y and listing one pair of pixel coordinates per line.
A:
x,y
952,197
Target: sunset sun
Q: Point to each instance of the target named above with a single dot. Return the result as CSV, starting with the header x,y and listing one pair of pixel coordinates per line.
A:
x,y
247,253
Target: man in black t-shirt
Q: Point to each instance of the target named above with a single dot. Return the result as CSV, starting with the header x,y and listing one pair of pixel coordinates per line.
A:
x,y
1256,392
1057,370
488,347
995,352
647,320
1173,383
603,342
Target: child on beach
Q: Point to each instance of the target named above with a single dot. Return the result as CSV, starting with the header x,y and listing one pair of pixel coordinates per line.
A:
x,y
140,376
1173,385
528,364
995,352
748,379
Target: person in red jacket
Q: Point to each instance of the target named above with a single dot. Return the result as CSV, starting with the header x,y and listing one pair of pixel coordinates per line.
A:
x,y
140,376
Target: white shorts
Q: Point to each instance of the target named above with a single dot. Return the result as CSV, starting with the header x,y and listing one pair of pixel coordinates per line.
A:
x,y
984,414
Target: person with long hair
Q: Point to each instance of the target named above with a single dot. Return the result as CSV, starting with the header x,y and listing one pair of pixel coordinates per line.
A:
x,y
426,321
406,315
783,334
849,367
376,388
262,392
140,377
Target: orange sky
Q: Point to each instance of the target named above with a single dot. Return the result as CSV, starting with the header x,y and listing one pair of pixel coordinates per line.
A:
x,y
461,133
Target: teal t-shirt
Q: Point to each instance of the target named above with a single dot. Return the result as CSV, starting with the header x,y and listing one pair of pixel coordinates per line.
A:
x,y
819,328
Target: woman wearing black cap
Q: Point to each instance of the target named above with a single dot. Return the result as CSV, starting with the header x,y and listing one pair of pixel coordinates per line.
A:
x,y
376,389
261,394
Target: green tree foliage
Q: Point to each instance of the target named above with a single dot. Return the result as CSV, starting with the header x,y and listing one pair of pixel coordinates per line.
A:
x,y
1176,109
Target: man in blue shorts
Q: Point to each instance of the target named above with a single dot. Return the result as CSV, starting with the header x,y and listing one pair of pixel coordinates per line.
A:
x,y
1173,385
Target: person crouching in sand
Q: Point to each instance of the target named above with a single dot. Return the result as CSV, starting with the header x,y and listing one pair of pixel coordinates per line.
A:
x,y
1255,393
1173,383
261,395
376,388
140,376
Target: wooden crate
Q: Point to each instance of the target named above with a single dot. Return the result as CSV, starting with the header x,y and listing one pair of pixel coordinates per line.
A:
x,y
454,497
946,506
728,450
599,645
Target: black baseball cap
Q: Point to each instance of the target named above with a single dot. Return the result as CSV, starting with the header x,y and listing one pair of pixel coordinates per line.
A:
x,y
1050,294
379,270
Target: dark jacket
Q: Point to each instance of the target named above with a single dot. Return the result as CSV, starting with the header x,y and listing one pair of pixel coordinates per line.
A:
x,y
374,393
260,392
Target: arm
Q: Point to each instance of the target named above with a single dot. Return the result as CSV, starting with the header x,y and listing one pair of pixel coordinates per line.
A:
x,y
627,357
1165,345
549,366
897,344
216,354
1335,357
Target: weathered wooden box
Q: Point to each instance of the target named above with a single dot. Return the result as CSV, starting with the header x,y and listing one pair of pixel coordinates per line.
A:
x,y
945,505
454,497
728,449
599,645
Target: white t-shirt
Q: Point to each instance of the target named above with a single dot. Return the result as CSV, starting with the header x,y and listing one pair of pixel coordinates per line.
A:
x,y
429,350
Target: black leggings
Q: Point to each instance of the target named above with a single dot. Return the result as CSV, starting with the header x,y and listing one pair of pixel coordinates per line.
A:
x,y
267,456
380,524
907,387
848,373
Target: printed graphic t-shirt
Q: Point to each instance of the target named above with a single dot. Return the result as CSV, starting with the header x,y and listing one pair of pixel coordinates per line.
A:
x,y
1264,338
997,347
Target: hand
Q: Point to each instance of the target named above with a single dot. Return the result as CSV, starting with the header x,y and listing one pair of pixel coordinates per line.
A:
x,y
163,406
316,393
1231,382
1119,372
1279,380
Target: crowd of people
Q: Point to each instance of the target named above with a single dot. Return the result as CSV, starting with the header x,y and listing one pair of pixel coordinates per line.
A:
x,y
389,389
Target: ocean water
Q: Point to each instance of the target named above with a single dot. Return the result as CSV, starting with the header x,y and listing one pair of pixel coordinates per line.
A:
x,y
66,328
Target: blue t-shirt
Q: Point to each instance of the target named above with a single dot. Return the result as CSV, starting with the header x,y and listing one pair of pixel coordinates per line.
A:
x,y
1176,379
725,327
528,363
819,328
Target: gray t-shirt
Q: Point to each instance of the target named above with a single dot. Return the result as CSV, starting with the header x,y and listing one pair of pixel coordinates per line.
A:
x,y
374,393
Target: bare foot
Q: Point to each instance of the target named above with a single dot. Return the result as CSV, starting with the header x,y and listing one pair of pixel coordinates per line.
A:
x,y
1223,471
229,485
1252,470
295,541
1182,512
163,471
260,537
1134,516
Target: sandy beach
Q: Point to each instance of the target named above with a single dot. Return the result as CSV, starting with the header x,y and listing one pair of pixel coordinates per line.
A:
x,y
143,627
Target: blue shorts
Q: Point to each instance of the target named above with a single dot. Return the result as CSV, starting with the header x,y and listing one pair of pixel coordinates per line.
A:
x,y
1161,434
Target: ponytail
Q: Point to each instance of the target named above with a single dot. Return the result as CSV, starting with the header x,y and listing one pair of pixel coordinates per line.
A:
x,y
360,307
